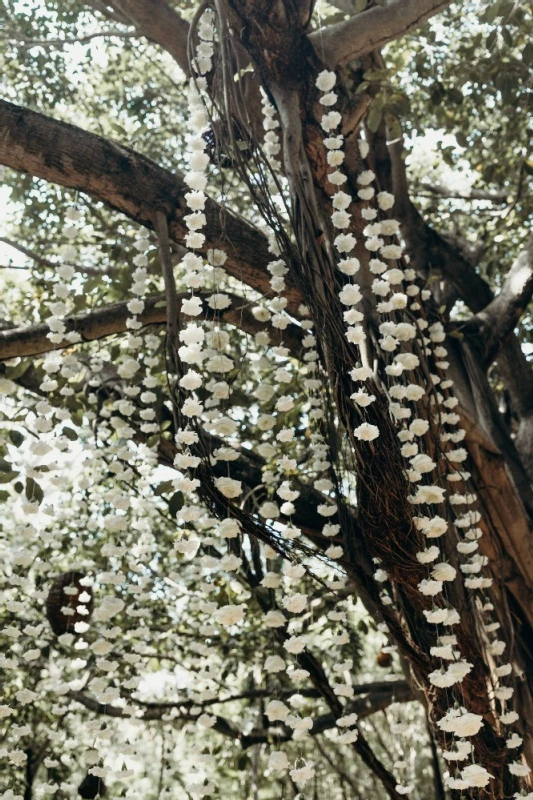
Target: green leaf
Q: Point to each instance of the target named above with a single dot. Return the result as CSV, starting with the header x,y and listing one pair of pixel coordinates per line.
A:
x,y
176,504
491,12
527,53
528,165
455,95
17,371
6,477
34,491
16,438
5,465
375,74
70,434
507,36
163,488
363,86
375,113
394,129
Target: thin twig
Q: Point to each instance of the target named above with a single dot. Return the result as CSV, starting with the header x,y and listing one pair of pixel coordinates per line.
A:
x,y
29,43
161,226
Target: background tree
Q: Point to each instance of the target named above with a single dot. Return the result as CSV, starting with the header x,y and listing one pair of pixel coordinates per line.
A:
x,y
232,424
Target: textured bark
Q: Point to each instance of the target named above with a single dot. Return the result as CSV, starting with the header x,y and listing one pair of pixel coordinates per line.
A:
x,y
371,30
130,183
159,23
33,341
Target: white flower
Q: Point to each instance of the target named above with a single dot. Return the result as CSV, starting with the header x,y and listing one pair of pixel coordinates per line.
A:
x,y
428,494
325,81
278,761
192,408
443,572
335,158
350,294
348,721
385,200
229,615
407,360
195,200
356,335
460,722
348,266
330,121
271,580
366,432
191,306
261,313
341,201
419,427
269,510
206,721
509,717
392,252
275,619
274,664
337,178
362,398
519,769
361,373
191,380
302,775
296,603
230,562
430,587
326,509
295,644
276,710
345,242
340,219
219,301
462,751
229,528
428,555
514,741
432,527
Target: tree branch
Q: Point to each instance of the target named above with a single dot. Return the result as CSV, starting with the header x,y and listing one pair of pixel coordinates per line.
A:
x,y
372,698
132,184
46,262
29,43
159,23
491,327
472,194
33,341
172,302
372,29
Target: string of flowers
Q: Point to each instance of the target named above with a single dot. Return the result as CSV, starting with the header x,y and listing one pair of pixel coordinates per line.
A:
x,y
386,284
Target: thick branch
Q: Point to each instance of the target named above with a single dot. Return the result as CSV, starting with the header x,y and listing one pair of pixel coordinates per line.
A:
x,y
371,699
130,183
372,29
159,23
111,320
492,326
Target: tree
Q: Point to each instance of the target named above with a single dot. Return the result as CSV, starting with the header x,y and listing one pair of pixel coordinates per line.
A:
x,y
230,416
